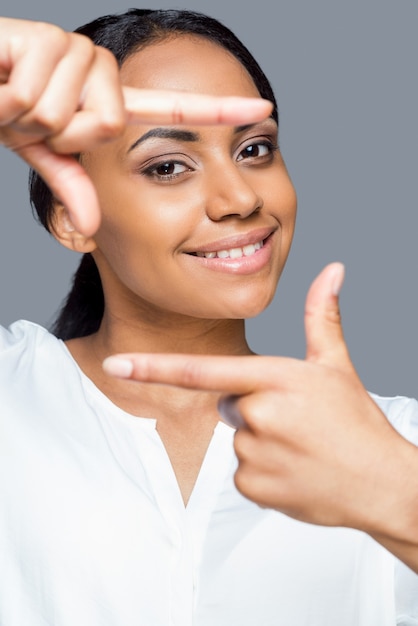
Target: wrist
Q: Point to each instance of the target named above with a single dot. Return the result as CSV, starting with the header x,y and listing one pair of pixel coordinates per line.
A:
x,y
393,510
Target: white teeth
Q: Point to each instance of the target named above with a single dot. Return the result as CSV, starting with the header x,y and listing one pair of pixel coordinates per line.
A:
x,y
236,253
249,250
233,253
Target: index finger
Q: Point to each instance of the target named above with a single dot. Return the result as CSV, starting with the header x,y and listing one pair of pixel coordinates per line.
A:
x,y
229,374
176,107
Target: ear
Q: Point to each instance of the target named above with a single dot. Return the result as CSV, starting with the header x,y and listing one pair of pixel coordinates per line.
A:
x,y
66,234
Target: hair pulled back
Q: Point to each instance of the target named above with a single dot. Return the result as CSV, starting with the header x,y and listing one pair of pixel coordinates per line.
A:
x,y
125,34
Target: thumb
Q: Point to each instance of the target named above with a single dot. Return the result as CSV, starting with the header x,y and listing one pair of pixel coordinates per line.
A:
x,y
324,335
69,183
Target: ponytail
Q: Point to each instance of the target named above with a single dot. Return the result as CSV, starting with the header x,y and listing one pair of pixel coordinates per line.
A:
x,y
83,308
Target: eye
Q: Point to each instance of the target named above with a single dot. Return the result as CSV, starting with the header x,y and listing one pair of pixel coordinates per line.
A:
x,y
169,169
256,151
166,170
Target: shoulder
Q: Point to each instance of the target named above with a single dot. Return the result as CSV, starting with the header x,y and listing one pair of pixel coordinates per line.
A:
x,y
38,376
402,412
26,349
23,335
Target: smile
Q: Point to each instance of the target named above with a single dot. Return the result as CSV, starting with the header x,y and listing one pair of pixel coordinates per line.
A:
x,y
241,254
233,253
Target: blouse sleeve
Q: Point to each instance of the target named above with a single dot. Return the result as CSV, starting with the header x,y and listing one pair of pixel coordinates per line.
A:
x,y
403,415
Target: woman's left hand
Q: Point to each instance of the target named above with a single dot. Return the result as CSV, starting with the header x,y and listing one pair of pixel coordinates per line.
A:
x,y
310,440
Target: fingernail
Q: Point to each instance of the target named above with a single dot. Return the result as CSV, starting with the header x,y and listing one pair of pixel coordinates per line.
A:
x,y
118,366
338,279
228,410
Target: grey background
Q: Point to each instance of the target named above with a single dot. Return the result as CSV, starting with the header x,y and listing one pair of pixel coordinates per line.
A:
x,y
346,79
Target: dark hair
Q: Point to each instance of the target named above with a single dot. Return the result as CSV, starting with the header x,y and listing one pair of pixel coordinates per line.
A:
x,y
125,34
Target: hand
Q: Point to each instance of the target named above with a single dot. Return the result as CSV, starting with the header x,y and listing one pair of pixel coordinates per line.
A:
x,y
60,94
310,441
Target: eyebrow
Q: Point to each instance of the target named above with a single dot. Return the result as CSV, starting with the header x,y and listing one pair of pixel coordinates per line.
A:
x,y
166,133
176,134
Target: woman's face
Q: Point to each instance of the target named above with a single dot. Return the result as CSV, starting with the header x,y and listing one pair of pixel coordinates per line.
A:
x,y
196,220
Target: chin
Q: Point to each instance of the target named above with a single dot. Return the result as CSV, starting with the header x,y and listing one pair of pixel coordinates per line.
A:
x,y
247,307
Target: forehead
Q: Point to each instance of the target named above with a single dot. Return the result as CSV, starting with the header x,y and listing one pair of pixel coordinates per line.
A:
x,y
188,63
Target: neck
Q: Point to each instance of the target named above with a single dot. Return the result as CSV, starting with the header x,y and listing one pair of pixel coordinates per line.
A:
x,y
174,334
187,336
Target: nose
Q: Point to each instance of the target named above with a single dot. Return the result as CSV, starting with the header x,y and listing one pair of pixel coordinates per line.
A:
x,y
230,194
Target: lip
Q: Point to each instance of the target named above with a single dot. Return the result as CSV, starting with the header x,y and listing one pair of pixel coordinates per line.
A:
x,y
240,266
235,241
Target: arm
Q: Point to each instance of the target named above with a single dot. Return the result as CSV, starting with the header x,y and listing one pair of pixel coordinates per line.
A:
x,y
311,442
60,94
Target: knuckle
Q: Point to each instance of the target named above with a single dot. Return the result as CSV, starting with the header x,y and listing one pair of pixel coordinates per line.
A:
x,y
51,35
254,410
111,124
50,120
240,481
143,369
330,313
106,56
333,315
177,115
244,445
22,100
247,482
84,45
66,176
192,374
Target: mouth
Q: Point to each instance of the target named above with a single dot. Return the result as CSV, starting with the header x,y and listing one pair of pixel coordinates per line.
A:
x,y
235,246
242,254
232,253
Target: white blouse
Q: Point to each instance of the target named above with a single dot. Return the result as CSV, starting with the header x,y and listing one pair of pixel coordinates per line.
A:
x,y
94,532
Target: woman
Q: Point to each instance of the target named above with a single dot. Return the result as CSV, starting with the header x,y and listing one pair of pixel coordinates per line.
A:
x,y
119,505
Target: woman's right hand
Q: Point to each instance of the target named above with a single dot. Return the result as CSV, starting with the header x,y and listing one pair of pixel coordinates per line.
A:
x,y
60,94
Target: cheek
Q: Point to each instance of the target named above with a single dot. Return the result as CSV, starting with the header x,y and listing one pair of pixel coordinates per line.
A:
x,y
280,200
141,231
289,207
151,212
